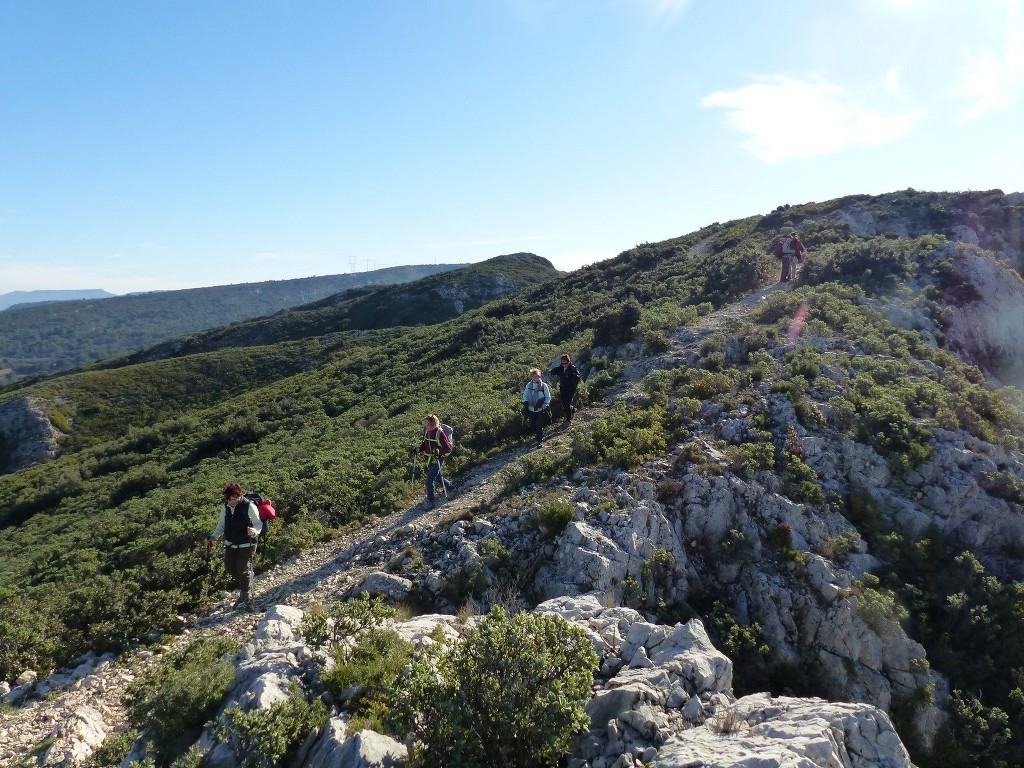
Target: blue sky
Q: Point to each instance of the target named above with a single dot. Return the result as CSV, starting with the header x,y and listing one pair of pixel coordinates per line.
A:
x,y
150,144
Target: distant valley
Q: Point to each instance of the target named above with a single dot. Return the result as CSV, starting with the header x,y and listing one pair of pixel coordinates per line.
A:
x,y
55,334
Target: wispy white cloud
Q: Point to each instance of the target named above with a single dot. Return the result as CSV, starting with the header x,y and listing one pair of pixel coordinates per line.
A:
x,y
670,9
785,118
995,80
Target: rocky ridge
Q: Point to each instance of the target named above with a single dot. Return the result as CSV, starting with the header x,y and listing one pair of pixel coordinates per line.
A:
x,y
643,708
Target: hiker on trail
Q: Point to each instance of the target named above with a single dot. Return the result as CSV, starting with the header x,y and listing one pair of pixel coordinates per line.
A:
x,y
536,401
240,525
789,250
435,446
568,381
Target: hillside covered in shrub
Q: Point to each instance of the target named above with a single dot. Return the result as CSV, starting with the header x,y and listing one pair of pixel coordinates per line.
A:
x,y
843,400
56,336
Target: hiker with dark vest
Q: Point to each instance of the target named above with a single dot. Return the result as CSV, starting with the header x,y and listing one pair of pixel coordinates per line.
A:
x,y
790,250
239,523
435,446
568,381
536,400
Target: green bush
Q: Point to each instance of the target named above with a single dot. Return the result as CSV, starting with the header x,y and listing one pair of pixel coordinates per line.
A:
x,y
372,665
344,620
266,738
554,516
173,702
749,458
510,694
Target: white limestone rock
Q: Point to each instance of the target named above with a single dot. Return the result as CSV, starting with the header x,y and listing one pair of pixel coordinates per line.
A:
x,y
761,732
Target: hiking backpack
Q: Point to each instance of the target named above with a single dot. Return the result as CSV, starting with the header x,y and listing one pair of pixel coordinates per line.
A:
x,y
777,250
449,433
266,511
787,246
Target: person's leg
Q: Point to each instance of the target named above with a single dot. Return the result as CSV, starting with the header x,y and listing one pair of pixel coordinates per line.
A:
x,y
245,573
448,484
234,563
537,422
432,472
566,406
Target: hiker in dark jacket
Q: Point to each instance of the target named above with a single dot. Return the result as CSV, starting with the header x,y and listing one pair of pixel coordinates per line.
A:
x,y
568,381
435,446
240,525
536,400
792,250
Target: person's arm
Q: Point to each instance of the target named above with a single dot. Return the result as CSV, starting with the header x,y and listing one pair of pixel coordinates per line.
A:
x,y
547,395
254,519
218,531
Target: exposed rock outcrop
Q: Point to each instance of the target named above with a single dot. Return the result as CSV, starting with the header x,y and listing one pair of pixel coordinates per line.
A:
x,y
986,325
26,434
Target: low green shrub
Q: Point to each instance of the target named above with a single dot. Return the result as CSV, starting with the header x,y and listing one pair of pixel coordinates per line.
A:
x,y
174,701
372,666
266,738
553,517
510,694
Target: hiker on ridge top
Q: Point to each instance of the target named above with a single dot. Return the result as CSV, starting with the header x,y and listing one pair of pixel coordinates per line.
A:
x,y
240,524
790,250
536,399
568,380
436,446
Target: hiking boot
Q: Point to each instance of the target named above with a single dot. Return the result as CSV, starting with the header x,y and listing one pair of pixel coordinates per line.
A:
x,y
243,603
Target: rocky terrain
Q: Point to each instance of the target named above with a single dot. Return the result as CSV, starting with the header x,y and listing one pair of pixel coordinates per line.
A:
x,y
664,691
641,546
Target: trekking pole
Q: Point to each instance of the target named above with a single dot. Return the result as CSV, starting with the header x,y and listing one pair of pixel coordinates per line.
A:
x,y
206,576
412,480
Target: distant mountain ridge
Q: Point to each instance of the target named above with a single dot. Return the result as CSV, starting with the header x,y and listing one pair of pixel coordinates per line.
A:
x,y
24,298
47,338
432,299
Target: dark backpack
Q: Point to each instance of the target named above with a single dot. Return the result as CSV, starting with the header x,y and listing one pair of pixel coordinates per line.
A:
x,y
777,250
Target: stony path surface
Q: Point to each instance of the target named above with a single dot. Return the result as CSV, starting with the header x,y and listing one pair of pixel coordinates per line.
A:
x,y
327,570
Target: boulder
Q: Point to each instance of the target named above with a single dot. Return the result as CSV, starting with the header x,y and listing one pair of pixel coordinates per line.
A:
x,y
760,732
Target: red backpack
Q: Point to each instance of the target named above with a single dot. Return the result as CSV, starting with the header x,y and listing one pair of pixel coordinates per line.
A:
x,y
265,508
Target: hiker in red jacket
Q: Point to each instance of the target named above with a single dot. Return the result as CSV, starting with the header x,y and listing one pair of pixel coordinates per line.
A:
x,y
790,250
435,446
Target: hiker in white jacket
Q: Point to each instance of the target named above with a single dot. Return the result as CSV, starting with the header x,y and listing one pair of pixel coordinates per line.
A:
x,y
536,399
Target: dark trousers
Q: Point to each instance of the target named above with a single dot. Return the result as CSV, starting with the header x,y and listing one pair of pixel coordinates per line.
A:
x,y
567,409
238,565
537,420
788,267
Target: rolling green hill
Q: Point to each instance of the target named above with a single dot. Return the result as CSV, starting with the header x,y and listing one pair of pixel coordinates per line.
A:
x,y
51,337
102,544
422,302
